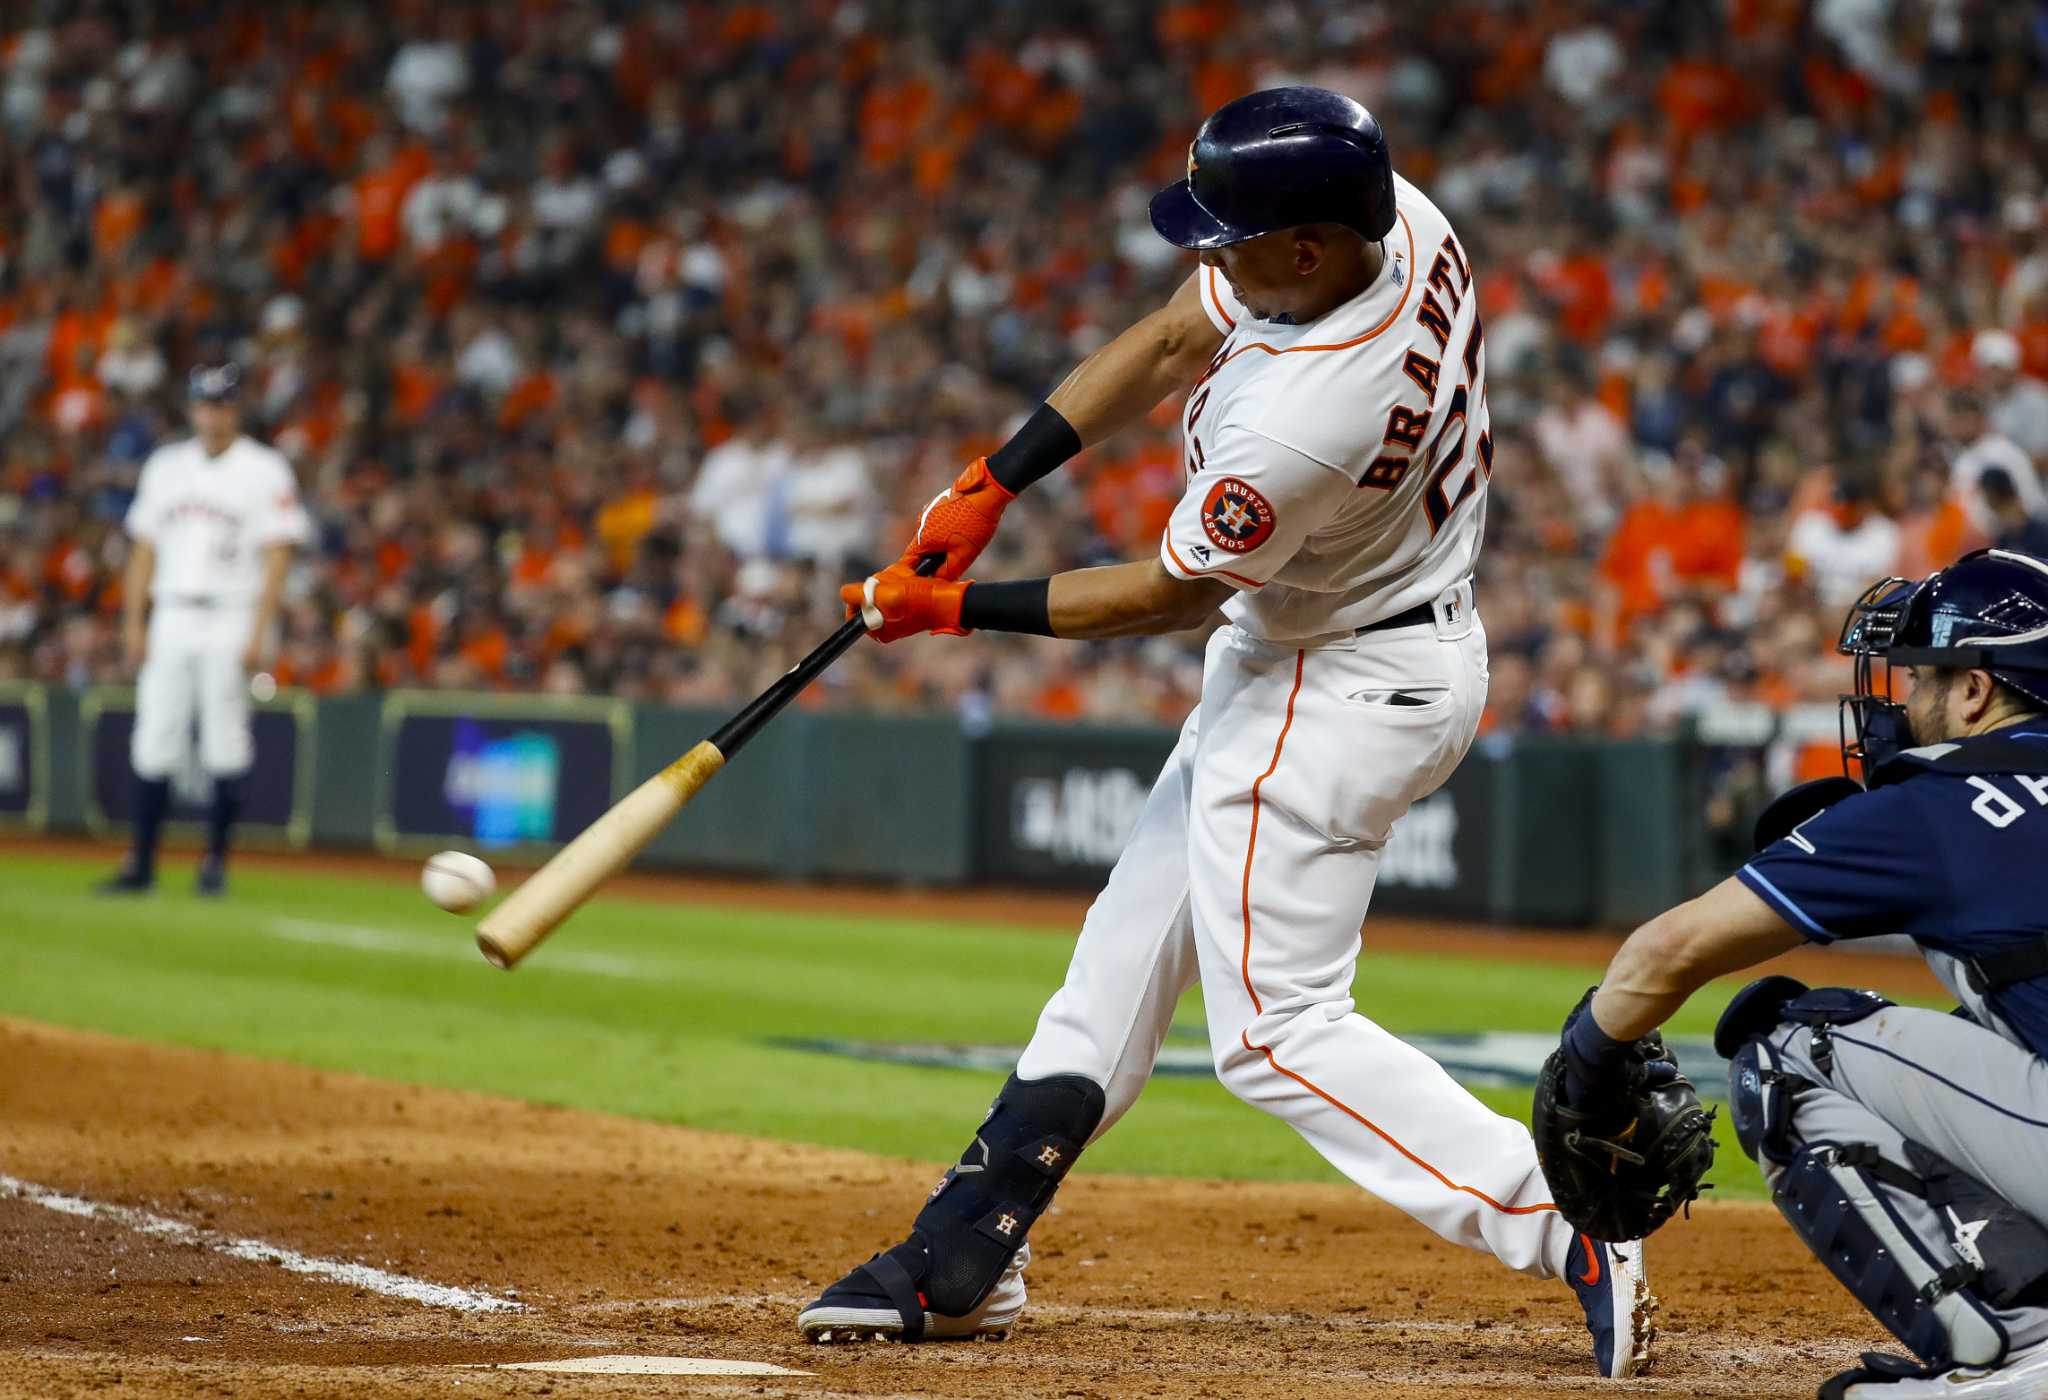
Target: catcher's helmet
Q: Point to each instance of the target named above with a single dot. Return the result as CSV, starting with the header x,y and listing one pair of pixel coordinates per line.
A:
x,y
1988,611
1277,159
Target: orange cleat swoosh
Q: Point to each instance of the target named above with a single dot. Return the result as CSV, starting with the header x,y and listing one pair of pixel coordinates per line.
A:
x,y
1592,1274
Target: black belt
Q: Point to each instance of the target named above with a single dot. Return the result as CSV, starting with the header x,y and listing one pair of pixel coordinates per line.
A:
x,y
1994,972
1414,617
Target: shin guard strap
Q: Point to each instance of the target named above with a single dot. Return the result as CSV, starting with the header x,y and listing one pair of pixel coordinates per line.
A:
x,y
895,1281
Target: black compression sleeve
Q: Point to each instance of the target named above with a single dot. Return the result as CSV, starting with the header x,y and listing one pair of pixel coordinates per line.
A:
x,y
1045,441
1021,606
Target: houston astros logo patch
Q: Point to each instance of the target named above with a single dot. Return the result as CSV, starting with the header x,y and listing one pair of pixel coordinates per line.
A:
x,y
1236,517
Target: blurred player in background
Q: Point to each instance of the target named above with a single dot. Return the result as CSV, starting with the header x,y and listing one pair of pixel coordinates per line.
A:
x,y
212,528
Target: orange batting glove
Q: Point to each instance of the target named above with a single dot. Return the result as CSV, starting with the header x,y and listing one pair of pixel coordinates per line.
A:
x,y
960,521
896,603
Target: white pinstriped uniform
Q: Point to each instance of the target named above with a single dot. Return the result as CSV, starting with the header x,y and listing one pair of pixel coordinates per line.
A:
x,y
1337,477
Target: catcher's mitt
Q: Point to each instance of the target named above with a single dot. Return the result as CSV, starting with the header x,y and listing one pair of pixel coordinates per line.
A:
x,y
1623,1162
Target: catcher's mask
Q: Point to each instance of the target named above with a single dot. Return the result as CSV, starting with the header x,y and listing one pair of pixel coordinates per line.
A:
x,y
1987,611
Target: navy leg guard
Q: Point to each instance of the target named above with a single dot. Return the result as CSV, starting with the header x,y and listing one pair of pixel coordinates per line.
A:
x,y
1832,1197
981,1210
972,1226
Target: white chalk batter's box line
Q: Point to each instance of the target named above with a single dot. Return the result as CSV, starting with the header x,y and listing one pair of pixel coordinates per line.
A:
x,y
339,1271
1697,1345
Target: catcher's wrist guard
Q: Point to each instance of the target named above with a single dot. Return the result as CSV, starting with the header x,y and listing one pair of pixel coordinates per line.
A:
x,y
1625,1152
1592,1057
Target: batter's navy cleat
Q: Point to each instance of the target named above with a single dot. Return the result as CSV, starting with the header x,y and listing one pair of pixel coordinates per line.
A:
x,y
1616,1295
212,878
880,1301
2022,1376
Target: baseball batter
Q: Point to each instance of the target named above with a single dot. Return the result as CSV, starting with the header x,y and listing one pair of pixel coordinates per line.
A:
x,y
1908,1148
1337,453
211,530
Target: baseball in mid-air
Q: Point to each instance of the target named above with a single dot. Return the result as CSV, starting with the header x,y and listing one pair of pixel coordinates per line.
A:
x,y
457,881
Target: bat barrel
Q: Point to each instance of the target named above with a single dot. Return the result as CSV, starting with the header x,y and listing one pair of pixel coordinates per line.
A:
x,y
604,848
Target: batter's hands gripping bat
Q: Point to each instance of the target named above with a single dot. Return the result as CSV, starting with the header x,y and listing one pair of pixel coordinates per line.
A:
x,y
604,848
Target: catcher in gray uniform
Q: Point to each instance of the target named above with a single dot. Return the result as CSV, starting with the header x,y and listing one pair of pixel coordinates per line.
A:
x,y
1907,1147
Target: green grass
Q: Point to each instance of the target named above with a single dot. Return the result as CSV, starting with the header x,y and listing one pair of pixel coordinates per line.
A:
x,y
663,1011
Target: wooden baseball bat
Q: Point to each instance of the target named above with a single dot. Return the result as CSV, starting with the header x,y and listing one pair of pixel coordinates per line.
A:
x,y
604,848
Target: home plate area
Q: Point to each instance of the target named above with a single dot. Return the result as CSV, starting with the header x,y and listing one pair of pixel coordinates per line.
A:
x,y
652,1366
251,1229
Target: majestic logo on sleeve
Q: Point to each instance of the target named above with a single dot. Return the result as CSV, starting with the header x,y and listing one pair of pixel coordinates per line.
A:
x,y
1235,517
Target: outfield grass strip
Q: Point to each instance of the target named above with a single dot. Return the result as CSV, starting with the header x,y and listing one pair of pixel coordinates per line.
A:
x,y
364,938
433,1295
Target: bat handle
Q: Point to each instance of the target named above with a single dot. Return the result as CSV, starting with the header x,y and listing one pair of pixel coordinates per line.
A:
x,y
770,702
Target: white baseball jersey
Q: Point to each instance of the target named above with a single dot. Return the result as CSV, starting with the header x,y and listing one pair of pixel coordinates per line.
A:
x,y
1337,474
210,518
1337,470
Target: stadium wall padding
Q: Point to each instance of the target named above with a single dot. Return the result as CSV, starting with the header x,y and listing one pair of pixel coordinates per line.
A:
x,y
1548,830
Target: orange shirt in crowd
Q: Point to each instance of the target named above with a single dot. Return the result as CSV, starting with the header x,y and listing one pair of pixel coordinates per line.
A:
x,y
380,195
1654,548
115,222
623,523
488,651
1698,95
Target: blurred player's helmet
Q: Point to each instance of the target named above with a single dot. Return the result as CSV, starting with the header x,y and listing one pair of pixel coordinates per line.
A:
x,y
1987,611
220,383
1277,159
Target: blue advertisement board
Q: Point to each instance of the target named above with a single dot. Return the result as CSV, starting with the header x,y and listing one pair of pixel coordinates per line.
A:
x,y
492,774
23,742
276,796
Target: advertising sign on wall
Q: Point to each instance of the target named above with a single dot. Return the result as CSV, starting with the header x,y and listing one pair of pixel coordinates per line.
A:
x,y
496,773
275,796
24,745
1054,806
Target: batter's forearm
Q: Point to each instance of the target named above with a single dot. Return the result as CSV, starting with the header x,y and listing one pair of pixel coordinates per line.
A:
x,y
1117,600
1116,385
1124,380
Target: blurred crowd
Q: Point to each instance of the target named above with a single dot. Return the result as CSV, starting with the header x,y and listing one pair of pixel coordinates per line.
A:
x,y
608,338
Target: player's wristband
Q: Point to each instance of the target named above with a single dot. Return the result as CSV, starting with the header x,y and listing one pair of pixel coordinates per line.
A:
x,y
1021,606
1591,1055
1045,441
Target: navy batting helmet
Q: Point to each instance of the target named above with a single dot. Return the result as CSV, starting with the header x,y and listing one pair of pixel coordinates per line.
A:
x,y
1988,611
1277,159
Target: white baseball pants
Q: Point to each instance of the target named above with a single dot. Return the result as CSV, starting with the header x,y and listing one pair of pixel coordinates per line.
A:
x,y
192,669
1251,867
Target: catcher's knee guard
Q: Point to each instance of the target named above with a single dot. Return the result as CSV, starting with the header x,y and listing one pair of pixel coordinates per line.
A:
x,y
1761,1092
976,1218
1770,1002
1935,1295
1760,1099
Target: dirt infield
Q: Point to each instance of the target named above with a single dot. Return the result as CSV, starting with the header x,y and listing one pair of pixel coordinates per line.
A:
x,y
624,1237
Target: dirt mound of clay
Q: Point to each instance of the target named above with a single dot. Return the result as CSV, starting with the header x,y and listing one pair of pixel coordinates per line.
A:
x,y
618,1236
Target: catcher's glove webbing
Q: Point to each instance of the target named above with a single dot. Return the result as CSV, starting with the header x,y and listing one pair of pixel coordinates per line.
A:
x,y
1631,1150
